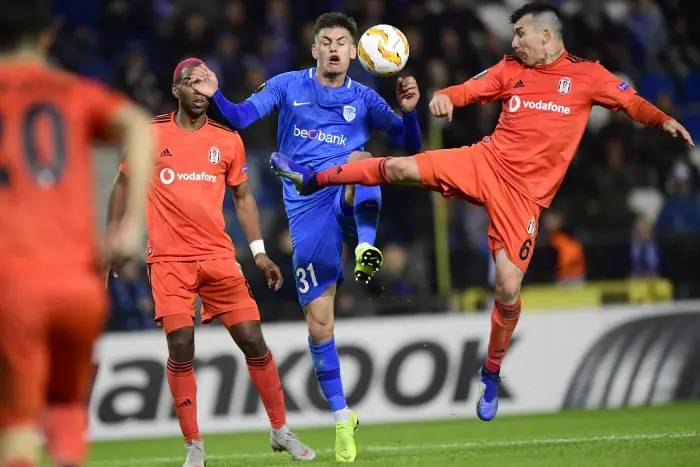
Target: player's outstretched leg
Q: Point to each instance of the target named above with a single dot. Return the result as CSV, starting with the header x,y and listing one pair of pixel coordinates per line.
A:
x,y
367,206
504,318
263,372
368,172
183,385
324,355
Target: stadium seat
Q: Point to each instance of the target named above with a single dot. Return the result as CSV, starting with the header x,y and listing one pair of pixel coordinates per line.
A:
x,y
652,85
691,88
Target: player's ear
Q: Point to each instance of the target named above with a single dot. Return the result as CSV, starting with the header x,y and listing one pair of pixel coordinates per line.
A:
x,y
353,52
176,91
314,51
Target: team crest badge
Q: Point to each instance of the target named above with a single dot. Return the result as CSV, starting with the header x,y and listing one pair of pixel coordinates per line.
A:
x,y
564,85
532,227
214,155
349,113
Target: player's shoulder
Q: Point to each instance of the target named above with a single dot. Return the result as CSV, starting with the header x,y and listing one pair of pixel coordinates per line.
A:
x,y
220,129
362,91
292,76
162,119
581,65
511,63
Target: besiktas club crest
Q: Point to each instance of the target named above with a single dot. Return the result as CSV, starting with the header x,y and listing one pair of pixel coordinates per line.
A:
x,y
214,155
564,85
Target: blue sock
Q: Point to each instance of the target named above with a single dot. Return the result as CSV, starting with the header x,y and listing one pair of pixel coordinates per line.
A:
x,y
368,205
327,365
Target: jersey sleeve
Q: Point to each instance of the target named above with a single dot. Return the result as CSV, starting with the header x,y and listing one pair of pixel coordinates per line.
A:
x,y
237,168
485,87
607,90
102,104
380,115
270,95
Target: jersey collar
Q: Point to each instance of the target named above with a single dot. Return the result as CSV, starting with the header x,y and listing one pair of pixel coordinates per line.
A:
x,y
555,62
312,75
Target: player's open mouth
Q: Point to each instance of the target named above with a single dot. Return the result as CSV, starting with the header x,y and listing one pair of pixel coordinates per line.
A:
x,y
334,59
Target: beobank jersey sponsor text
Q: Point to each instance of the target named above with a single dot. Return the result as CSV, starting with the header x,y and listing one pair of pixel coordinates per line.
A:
x,y
427,371
338,140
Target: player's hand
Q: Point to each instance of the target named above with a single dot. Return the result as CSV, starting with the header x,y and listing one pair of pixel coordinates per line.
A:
x,y
441,106
271,270
204,81
675,129
122,245
407,93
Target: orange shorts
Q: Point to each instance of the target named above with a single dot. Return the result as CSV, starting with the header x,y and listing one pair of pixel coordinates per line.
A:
x,y
466,173
48,326
220,284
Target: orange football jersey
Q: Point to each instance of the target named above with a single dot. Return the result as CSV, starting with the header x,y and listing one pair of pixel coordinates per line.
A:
x,y
48,122
184,211
544,115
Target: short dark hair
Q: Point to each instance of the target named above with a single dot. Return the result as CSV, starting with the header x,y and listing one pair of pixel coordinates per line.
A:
x,y
22,20
534,9
335,20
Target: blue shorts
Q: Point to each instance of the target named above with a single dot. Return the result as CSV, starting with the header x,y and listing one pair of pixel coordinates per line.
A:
x,y
317,238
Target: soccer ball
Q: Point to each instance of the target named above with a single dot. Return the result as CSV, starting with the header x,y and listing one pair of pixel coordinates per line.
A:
x,y
383,50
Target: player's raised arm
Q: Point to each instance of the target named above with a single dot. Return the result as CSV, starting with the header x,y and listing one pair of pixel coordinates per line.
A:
x,y
249,217
263,101
612,93
405,131
485,87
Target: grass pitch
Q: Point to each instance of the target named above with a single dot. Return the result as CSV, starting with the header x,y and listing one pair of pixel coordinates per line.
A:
x,y
643,437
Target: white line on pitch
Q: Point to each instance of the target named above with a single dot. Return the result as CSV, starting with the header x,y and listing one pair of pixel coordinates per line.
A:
x,y
421,447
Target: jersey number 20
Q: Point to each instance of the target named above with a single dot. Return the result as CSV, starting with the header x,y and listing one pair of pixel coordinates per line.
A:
x,y
48,171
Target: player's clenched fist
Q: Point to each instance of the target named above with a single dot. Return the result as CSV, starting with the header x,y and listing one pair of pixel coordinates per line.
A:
x,y
441,106
271,270
407,93
204,81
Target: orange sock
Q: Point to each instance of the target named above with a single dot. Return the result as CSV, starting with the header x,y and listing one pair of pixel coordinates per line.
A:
x,y
367,172
504,318
263,373
183,388
65,428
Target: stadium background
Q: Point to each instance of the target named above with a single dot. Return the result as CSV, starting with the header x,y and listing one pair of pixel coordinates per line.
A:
x,y
628,207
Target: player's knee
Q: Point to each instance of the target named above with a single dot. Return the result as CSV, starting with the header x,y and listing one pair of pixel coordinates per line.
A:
x,y
359,155
181,344
249,338
507,288
402,169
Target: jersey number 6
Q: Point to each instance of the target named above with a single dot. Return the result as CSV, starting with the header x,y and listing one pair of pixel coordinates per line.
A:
x,y
48,171
301,274
524,252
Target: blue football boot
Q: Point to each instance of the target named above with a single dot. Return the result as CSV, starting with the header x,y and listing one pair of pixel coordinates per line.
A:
x,y
304,179
487,404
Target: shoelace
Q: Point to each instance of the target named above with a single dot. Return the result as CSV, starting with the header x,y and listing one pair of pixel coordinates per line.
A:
x,y
491,376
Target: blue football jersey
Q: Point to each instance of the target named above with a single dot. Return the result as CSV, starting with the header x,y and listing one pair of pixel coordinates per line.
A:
x,y
320,126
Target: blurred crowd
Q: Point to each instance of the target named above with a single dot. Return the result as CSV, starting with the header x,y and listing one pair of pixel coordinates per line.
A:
x,y
628,207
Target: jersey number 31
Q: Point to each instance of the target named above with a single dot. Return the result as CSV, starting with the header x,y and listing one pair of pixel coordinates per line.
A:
x,y
301,274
